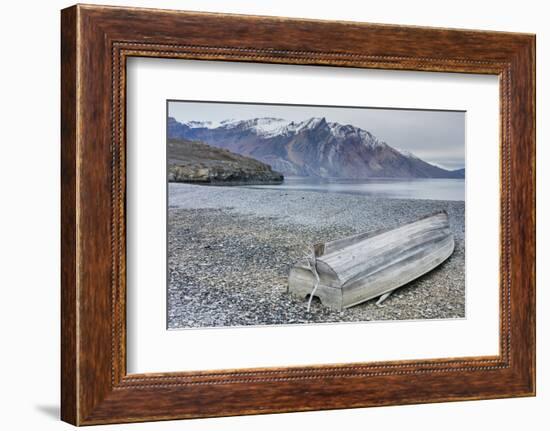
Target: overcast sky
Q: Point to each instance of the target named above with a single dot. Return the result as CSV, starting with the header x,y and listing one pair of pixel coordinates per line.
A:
x,y
437,137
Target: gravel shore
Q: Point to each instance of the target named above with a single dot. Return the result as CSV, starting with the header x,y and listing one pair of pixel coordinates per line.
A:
x,y
230,250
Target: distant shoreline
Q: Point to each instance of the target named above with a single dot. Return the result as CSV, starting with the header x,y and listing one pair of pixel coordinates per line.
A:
x,y
447,189
433,189
229,183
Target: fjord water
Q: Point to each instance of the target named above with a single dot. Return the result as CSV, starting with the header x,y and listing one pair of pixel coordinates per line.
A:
x,y
425,188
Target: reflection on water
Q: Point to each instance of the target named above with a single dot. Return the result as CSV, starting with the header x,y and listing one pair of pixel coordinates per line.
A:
x,y
431,188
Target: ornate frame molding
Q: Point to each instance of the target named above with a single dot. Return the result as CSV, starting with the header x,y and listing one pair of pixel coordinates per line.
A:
x,y
96,41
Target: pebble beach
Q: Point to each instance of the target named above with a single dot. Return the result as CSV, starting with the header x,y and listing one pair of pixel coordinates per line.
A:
x,y
230,250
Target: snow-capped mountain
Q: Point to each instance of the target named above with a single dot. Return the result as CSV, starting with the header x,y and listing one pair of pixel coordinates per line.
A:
x,y
313,147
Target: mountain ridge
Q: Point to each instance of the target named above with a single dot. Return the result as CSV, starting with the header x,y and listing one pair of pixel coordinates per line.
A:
x,y
313,147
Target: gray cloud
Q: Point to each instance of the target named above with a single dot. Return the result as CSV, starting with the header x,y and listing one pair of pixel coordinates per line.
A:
x,y
435,136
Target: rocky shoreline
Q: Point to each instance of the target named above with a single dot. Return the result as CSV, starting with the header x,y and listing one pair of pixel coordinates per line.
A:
x,y
198,163
230,250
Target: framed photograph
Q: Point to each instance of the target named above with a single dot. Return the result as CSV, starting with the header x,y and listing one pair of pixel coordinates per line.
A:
x,y
264,214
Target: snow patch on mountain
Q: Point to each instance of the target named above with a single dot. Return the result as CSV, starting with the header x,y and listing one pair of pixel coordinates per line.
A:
x,y
202,124
268,127
407,153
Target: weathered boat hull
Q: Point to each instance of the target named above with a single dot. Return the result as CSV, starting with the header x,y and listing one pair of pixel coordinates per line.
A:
x,y
353,270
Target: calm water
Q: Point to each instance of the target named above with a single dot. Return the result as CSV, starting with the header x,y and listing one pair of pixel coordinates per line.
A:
x,y
436,189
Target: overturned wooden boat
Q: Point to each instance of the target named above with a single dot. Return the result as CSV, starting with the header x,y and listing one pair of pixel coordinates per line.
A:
x,y
352,270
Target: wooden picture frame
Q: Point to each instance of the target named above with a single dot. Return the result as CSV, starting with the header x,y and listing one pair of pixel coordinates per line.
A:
x,y
95,43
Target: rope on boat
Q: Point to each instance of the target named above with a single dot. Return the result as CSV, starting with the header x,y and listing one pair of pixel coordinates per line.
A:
x,y
311,261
